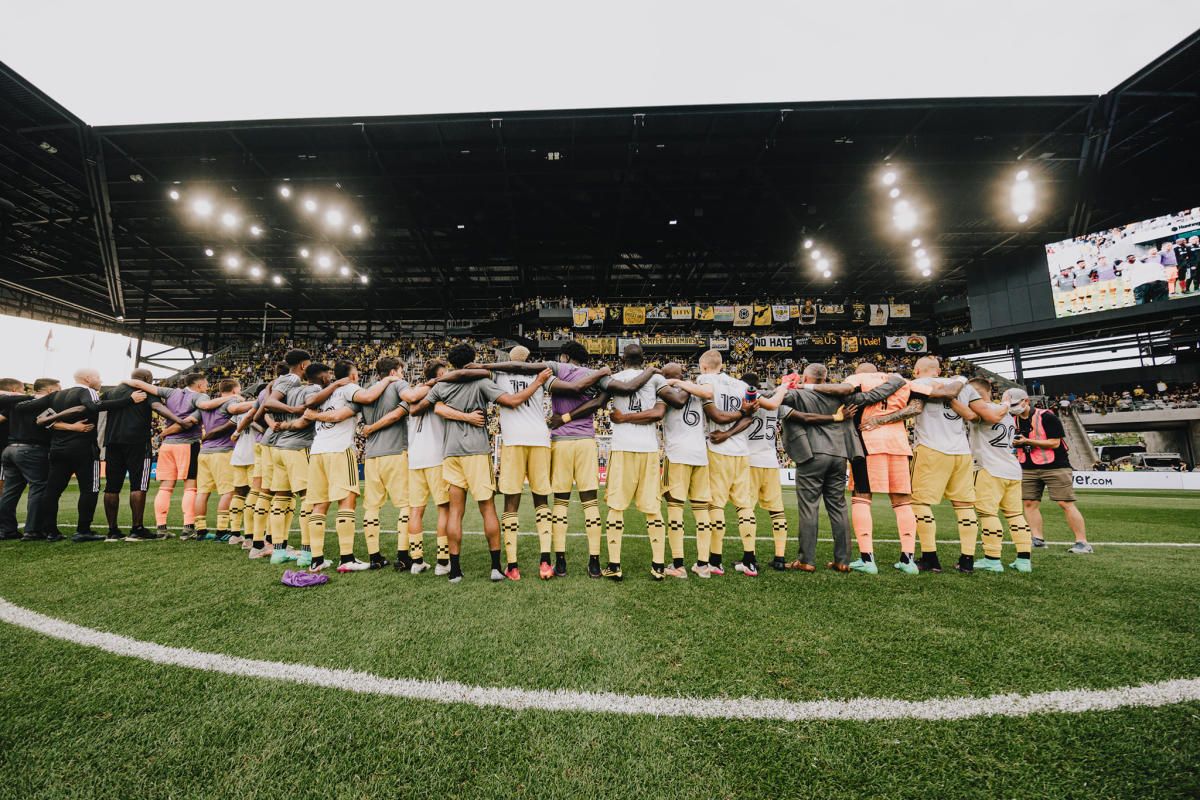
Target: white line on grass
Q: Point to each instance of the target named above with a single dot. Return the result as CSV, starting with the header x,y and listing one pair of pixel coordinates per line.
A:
x,y
863,709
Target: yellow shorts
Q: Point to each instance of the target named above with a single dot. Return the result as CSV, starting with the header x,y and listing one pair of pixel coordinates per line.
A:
x,y
242,474
264,464
256,471
332,477
686,482
519,463
992,494
473,473
633,479
427,483
729,477
289,470
936,475
574,462
764,485
214,473
385,478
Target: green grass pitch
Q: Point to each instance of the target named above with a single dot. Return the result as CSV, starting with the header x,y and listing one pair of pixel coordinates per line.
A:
x,y
77,722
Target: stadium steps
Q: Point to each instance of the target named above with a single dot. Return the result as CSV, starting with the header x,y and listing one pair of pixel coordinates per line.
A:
x,y
1079,447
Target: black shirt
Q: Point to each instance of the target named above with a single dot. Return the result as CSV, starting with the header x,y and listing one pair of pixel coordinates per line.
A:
x,y
90,400
131,423
22,412
1054,430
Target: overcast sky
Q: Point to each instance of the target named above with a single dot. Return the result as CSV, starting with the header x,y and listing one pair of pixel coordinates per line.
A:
x,y
135,61
51,350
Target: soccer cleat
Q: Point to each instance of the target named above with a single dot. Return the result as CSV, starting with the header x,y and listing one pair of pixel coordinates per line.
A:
x,y
989,565
248,542
611,573
188,532
235,538
1080,548
513,574
702,570
867,567
353,566
378,561
420,566
304,559
319,566
778,564
164,532
497,576
560,567
929,563
676,572
1039,542
403,562
749,570
209,536
907,567
715,570
224,536
261,552
282,555
454,578
1022,565
594,570
657,574
440,569
546,571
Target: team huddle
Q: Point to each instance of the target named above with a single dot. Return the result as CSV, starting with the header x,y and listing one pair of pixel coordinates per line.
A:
x,y
287,449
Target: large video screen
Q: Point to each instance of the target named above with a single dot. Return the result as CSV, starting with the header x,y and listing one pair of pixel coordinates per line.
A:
x,y
1152,261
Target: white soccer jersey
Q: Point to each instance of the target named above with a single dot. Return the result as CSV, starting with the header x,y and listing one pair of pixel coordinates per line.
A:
x,y
337,437
762,439
524,425
683,433
728,394
426,440
991,445
629,437
938,427
243,448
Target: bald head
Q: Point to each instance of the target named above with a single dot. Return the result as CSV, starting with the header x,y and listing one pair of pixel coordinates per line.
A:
x,y
142,375
710,361
519,353
927,367
865,367
672,370
88,377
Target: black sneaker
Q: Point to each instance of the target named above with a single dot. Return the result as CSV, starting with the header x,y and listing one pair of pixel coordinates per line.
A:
x,y
142,535
33,536
114,536
778,564
10,536
87,536
560,567
928,562
54,536
593,568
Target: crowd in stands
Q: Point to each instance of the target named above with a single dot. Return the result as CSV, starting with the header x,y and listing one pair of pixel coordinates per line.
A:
x,y
1137,398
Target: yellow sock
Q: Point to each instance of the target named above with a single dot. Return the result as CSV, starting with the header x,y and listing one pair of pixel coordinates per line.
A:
x,y
345,532
510,526
237,513
415,542
289,513
371,529
703,530
675,528
558,525
305,514
591,524
615,528
201,521
443,549
779,532
222,520
656,531
968,527
992,533
316,535
716,528
747,529
262,513
1019,530
541,522
403,538
926,528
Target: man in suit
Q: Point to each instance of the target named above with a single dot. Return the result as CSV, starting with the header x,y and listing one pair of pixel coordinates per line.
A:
x,y
819,436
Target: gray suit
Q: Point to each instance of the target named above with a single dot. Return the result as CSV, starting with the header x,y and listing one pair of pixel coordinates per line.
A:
x,y
821,453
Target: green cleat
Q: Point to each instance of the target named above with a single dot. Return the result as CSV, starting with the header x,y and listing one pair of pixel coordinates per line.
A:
x,y
1022,565
304,560
282,556
869,567
989,565
907,567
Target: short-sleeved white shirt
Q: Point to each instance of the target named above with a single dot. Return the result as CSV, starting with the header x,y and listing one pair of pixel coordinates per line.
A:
x,y
627,436
728,394
939,427
337,437
524,425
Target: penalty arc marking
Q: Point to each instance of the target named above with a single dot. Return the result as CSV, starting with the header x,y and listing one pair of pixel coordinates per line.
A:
x,y
864,709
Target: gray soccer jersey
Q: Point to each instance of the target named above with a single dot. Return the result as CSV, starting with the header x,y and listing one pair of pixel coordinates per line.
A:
x,y
461,438
392,440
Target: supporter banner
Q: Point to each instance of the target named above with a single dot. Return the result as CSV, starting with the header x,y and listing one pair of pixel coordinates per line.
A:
x,y
599,345
660,311
808,313
740,345
832,309
742,316
772,344
635,315
723,313
781,313
762,315
681,312
858,313
718,342
916,343
596,315
615,315
624,341
879,314
1138,480
901,311
869,341
794,311
849,344
897,342
824,340
682,340
704,313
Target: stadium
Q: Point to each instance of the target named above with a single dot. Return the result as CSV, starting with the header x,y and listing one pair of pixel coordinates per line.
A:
x,y
642,402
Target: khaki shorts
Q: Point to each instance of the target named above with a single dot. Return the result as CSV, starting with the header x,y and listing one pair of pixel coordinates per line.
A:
x,y
242,474
729,477
519,463
937,475
472,473
1060,481
765,486
994,494
264,464
332,477
215,474
426,483
289,470
385,478
686,482
633,480
574,462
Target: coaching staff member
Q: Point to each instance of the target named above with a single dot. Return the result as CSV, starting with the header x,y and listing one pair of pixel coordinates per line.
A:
x,y
26,459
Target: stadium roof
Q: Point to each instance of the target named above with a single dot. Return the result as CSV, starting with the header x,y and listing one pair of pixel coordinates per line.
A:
x,y
462,211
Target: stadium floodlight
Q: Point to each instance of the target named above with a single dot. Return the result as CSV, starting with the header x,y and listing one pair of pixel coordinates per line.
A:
x,y
894,193
255,271
276,279
889,178
828,274
202,207
903,215
233,262
285,192
255,230
208,251
916,242
173,194
808,243
1023,219
356,229
229,219
1022,196
344,271
363,279
1023,175
926,273
673,222
304,252
815,254
334,218
823,264
324,261
921,253
461,227
310,204
924,263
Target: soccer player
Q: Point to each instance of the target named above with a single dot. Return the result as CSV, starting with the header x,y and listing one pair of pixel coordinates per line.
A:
x,y
333,466
215,471
728,460
633,476
467,464
26,458
998,476
242,464
129,451
258,500
385,463
178,457
685,471
764,466
426,448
